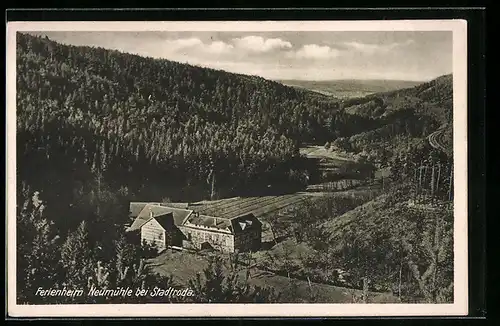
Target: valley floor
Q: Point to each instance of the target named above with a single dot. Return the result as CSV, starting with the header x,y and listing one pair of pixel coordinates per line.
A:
x,y
317,151
184,266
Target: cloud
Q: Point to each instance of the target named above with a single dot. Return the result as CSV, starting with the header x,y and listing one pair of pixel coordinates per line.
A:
x,y
219,47
314,51
284,56
370,48
179,44
260,44
195,46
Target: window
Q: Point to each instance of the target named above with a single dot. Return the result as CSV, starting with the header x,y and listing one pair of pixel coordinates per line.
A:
x,y
189,236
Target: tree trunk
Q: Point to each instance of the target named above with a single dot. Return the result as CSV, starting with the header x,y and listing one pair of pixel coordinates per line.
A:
x,y
451,183
365,290
438,177
420,281
420,180
437,233
433,175
415,180
425,175
212,192
400,278
98,211
310,289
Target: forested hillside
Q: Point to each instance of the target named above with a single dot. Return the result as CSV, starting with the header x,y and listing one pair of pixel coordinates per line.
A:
x,y
91,120
134,120
404,119
434,98
401,241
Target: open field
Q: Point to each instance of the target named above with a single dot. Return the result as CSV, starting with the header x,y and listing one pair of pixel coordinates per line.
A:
x,y
316,151
235,206
184,266
299,290
332,186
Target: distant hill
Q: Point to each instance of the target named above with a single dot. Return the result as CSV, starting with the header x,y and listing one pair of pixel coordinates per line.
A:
x,y
404,118
349,88
433,98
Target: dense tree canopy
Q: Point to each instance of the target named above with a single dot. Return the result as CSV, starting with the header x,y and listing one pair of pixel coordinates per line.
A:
x,y
125,117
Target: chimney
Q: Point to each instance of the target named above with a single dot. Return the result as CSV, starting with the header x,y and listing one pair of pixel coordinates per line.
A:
x,y
150,213
215,221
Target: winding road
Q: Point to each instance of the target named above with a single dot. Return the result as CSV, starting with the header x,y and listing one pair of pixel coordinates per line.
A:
x,y
436,140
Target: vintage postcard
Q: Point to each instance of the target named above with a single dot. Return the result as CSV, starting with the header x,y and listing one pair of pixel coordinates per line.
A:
x,y
237,169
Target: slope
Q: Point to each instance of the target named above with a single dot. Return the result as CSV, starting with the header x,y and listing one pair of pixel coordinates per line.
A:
x,y
434,98
397,245
404,119
84,112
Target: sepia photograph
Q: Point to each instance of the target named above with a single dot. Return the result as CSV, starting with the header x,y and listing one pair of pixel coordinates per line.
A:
x,y
221,168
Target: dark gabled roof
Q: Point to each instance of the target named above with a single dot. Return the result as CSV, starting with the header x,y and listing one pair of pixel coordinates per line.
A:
x,y
165,220
244,222
179,215
135,208
145,215
210,221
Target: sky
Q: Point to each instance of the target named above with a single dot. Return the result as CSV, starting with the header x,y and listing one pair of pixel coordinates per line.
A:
x,y
416,56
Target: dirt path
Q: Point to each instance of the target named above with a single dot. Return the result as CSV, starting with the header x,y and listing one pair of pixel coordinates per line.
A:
x,y
318,151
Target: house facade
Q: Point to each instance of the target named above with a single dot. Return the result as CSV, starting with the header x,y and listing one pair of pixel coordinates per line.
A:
x,y
154,233
178,227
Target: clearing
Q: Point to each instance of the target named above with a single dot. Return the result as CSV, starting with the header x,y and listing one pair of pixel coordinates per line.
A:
x,y
184,266
318,151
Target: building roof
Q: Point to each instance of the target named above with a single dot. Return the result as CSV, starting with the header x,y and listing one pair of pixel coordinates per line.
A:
x,y
135,208
244,222
234,225
179,215
176,205
209,221
164,220
165,214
